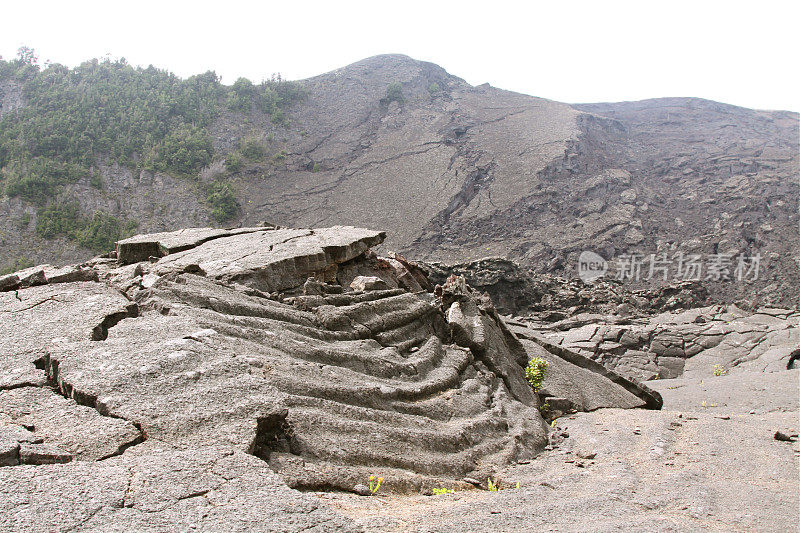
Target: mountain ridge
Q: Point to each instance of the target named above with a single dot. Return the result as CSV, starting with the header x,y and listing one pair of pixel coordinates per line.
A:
x,y
458,172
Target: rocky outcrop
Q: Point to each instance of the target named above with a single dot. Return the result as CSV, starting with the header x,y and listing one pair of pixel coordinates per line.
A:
x,y
301,350
693,342
520,291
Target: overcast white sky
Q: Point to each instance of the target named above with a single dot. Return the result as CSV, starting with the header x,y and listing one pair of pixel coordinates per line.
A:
x,y
743,53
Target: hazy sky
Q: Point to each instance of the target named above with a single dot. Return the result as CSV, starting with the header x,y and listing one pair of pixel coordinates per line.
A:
x,y
743,53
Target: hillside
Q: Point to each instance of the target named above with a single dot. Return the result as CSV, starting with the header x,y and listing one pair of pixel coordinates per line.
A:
x,y
453,172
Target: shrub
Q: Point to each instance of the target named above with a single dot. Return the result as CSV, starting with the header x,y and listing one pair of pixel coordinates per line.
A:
x,y
394,92
98,233
38,179
253,149
134,116
59,219
434,88
240,95
222,201
234,162
20,263
103,231
184,152
535,372
96,181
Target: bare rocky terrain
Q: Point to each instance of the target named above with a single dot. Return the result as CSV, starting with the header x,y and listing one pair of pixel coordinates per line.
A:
x,y
264,375
256,379
455,173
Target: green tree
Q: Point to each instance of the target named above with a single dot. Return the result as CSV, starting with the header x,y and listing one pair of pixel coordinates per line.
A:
x,y
394,93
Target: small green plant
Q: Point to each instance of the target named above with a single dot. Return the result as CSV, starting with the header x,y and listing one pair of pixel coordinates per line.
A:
x,y
25,220
440,491
493,487
434,88
544,408
234,162
20,263
221,198
394,93
536,372
96,181
316,167
719,370
374,486
279,157
252,149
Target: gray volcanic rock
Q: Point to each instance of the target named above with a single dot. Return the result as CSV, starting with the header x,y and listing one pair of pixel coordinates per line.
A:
x,y
691,342
177,387
156,489
34,320
274,260
80,431
583,389
142,247
521,291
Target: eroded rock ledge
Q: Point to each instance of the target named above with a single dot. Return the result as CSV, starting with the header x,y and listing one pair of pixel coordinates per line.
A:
x,y
299,347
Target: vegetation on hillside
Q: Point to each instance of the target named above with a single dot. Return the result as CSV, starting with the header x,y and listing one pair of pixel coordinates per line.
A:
x,y
107,111
98,232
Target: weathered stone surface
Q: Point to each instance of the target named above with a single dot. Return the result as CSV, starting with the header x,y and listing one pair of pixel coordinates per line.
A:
x,y
30,277
221,366
231,349
159,489
42,454
9,282
34,320
368,283
584,389
521,291
275,260
69,274
142,247
9,452
78,430
669,344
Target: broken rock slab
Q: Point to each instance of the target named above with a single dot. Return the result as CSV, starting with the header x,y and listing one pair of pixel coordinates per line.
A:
x,y
274,260
157,488
77,430
35,319
142,247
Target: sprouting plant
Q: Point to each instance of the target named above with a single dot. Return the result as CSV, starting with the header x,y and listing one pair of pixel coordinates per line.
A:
x,y
553,424
544,408
442,490
535,372
719,370
492,487
706,405
373,485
